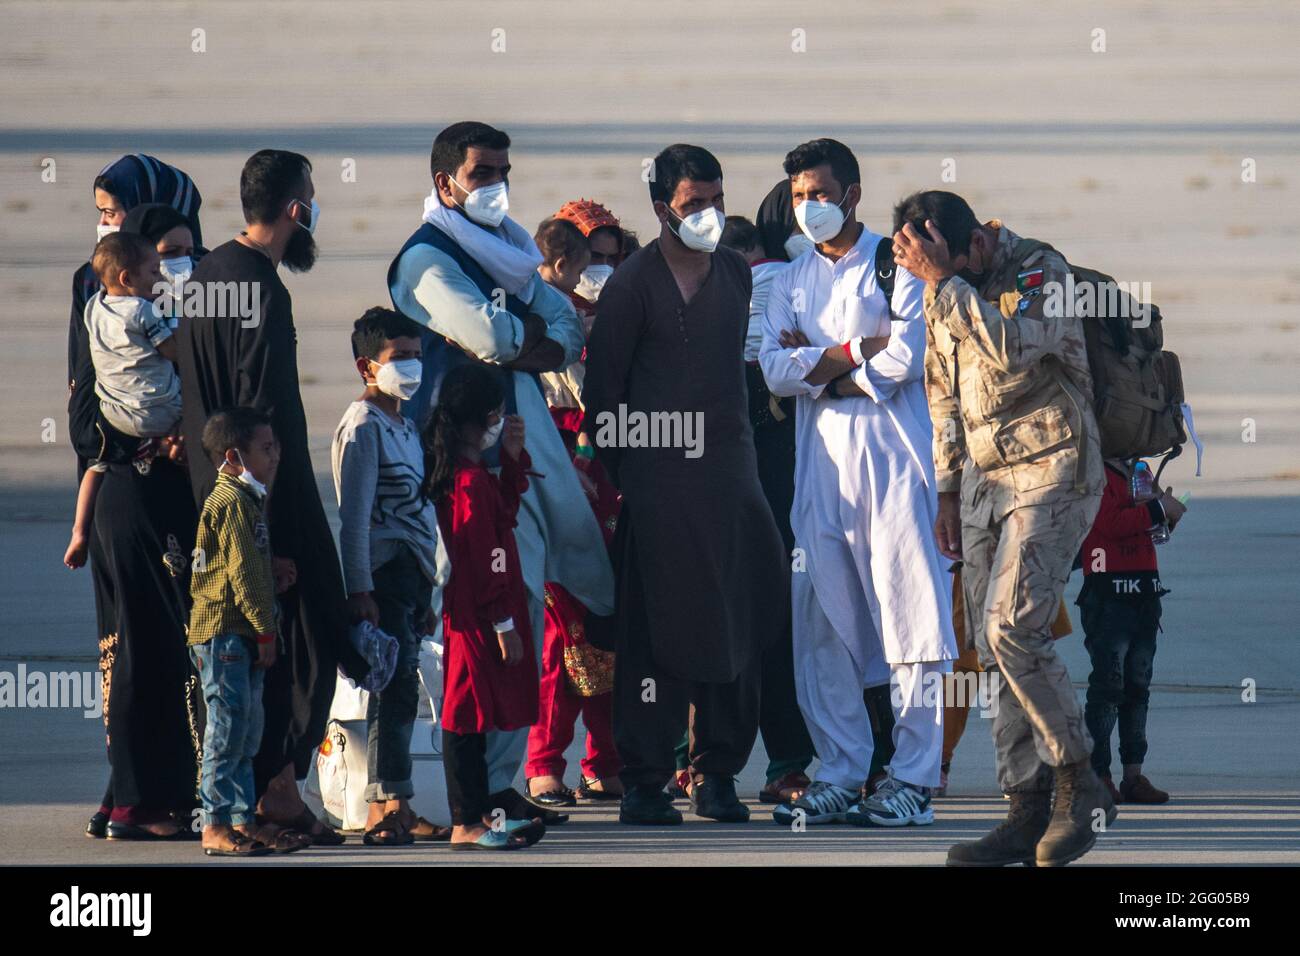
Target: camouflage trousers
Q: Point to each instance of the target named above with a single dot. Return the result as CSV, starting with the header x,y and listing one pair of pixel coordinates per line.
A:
x,y
1014,575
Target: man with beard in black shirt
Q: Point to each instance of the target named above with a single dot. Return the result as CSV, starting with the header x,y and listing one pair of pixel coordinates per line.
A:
x,y
237,346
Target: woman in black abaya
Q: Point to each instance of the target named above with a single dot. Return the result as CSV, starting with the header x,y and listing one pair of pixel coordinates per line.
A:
x,y
141,542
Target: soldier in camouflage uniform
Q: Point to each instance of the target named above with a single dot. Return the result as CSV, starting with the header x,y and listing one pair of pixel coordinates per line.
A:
x,y
1019,473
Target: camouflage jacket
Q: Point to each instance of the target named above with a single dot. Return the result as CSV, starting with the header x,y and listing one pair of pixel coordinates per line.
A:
x,y
1009,389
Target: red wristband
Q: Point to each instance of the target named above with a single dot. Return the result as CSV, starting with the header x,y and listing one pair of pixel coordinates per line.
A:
x,y
848,351
266,638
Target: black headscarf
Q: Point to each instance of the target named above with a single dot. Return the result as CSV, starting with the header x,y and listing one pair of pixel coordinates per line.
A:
x,y
153,220
775,221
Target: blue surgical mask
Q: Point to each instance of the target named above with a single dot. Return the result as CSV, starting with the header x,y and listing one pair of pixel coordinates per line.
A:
x,y
315,216
178,269
797,245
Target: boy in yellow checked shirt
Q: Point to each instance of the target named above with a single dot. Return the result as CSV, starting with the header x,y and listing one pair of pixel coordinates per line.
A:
x,y
232,633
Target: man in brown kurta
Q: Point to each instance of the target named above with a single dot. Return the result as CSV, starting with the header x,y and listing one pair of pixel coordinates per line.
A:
x,y
702,582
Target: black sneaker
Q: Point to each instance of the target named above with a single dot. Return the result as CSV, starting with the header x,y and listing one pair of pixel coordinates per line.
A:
x,y
714,797
97,828
648,806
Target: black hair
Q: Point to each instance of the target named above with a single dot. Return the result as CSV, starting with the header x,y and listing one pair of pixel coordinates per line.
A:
x,y
681,161
452,145
154,220
271,179
231,428
817,152
119,252
740,234
377,326
468,395
560,239
952,214
617,232
108,186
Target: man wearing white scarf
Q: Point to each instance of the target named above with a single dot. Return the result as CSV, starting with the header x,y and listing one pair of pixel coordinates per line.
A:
x,y
469,275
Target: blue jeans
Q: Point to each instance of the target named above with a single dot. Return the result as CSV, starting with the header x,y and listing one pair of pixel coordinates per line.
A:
x,y
232,689
403,594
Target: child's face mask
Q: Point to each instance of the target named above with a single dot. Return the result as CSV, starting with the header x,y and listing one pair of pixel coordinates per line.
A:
x,y
399,379
492,434
247,478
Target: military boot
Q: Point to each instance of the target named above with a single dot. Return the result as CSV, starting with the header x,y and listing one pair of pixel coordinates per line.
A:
x,y
1071,834
1013,840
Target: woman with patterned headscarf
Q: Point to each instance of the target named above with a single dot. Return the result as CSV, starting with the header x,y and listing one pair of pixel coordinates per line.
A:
x,y
140,548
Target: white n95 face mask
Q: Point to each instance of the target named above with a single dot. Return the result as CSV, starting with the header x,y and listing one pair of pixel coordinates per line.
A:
x,y
819,220
492,434
399,379
700,230
103,230
592,281
487,205
797,245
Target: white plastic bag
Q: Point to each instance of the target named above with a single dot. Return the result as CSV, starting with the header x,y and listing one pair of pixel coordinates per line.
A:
x,y
336,782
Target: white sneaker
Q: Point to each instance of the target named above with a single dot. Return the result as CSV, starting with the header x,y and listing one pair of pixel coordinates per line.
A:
x,y
894,804
822,802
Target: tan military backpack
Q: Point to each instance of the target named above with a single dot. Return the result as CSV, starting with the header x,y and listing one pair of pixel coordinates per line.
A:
x,y
1137,385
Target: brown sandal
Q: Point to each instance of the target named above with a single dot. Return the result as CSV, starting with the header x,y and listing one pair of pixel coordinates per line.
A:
x,y
785,789
306,824
391,826
425,832
238,844
285,840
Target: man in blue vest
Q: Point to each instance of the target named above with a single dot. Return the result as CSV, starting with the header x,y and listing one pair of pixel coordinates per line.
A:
x,y
469,276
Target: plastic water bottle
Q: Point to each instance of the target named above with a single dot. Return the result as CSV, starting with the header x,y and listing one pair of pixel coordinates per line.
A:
x,y
1142,487
1141,483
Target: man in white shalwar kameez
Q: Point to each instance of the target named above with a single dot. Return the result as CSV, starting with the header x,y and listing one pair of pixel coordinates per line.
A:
x,y
871,593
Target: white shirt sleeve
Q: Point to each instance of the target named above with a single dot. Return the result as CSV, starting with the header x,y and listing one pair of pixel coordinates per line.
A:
x,y
147,320
903,359
562,323
356,478
785,369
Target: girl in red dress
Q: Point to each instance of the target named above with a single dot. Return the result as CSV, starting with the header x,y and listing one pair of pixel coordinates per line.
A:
x,y
490,671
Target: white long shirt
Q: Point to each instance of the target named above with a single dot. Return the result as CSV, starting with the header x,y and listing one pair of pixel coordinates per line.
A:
x,y
764,271
865,500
